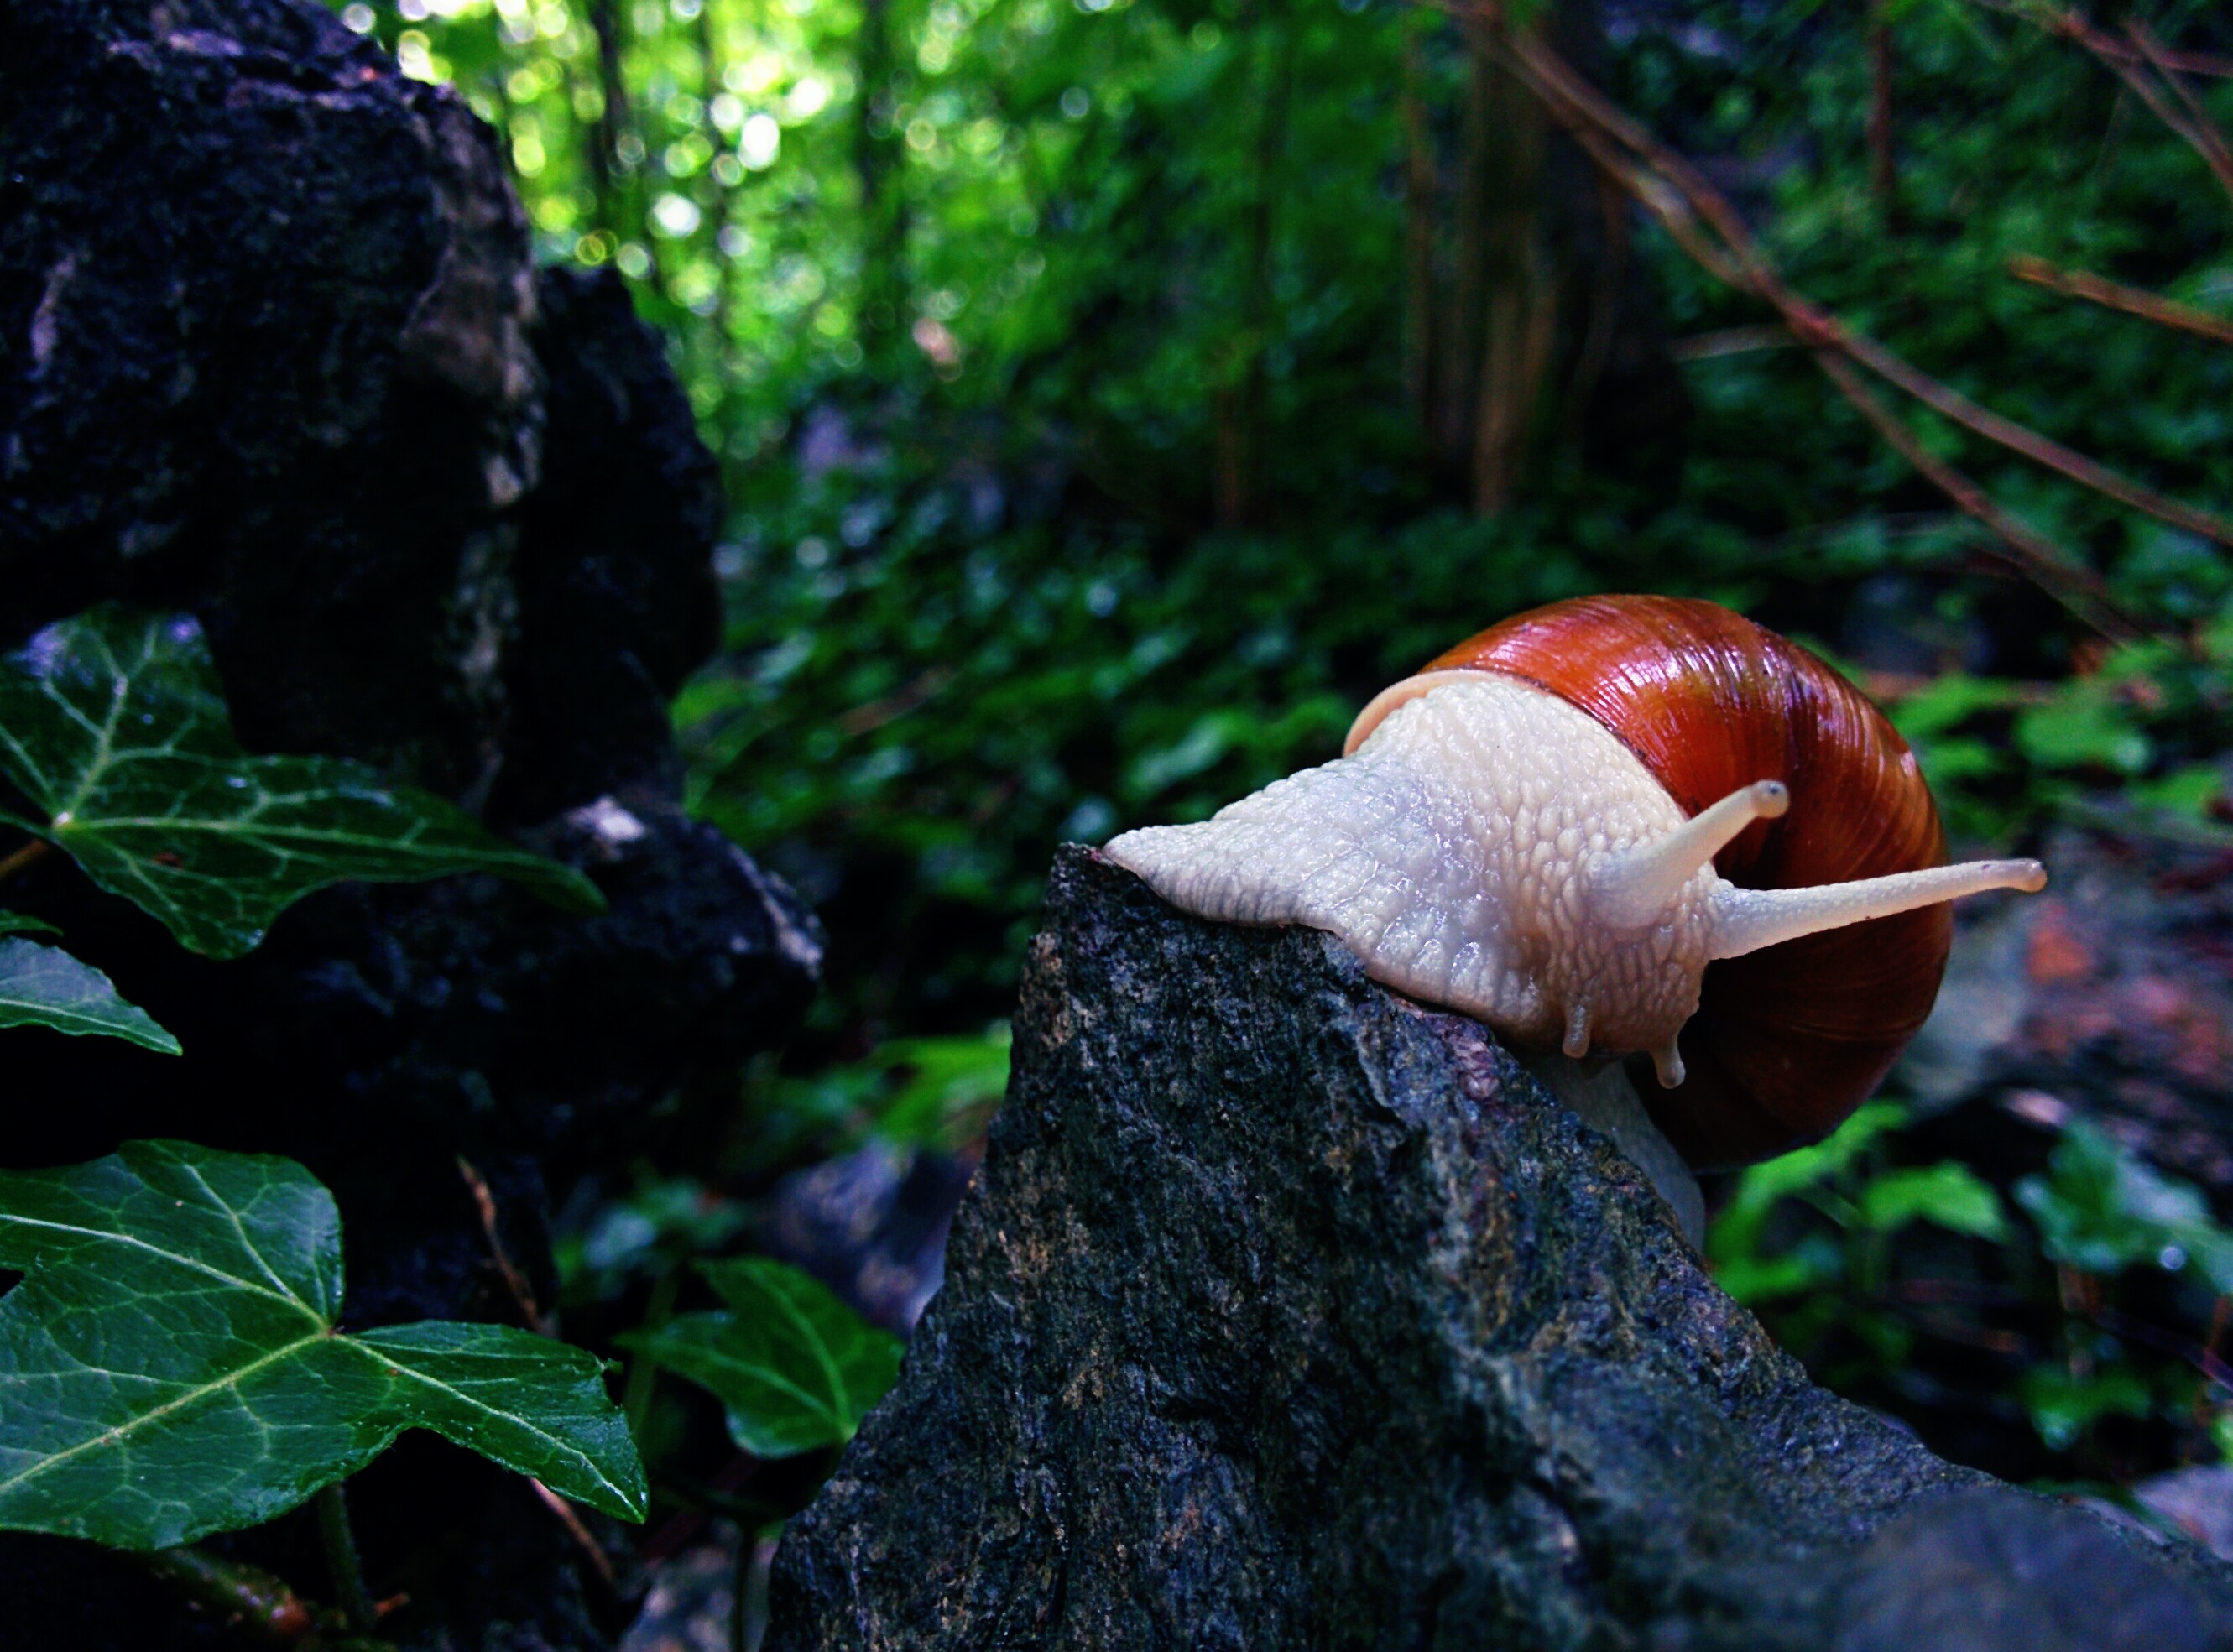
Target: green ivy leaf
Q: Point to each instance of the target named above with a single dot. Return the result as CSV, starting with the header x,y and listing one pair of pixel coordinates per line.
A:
x,y
2101,1209
114,725
796,1367
1949,1194
21,923
170,1365
44,987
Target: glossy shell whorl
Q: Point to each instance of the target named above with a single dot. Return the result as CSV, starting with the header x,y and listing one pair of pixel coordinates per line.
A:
x,y
1788,1041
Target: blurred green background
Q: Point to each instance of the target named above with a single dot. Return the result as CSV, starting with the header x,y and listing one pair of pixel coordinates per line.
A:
x,y
1114,394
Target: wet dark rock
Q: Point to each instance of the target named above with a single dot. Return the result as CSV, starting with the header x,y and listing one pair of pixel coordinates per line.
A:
x,y
872,1225
2196,1502
1284,1312
272,352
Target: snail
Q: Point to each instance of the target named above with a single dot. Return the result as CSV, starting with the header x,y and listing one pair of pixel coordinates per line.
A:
x,y
1622,825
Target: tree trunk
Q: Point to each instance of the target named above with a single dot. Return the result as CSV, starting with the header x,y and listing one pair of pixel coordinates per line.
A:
x,y
1518,294
608,170
1240,410
1422,189
1527,323
879,159
717,193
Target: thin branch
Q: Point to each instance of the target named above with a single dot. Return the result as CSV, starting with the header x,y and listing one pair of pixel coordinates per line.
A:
x,y
2038,557
1883,165
1814,326
342,1562
2130,65
2020,439
571,1519
2132,301
29,854
522,1298
1703,224
515,1282
2206,136
1730,341
247,1599
2209,65
2206,64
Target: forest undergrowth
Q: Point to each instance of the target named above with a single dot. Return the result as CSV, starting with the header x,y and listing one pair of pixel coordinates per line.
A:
x,y
1114,394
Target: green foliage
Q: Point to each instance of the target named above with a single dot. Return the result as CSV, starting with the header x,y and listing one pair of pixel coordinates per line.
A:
x,y
45,986
1865,1204
976,304
645,1234
114,724
2064,1403
795,1369
1807,1240
978,604
2101,1210
929,1092
172,1364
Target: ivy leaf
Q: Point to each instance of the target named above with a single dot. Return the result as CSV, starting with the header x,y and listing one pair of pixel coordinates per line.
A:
x,y
21,923
114,723
796,1367
44,987
170,1365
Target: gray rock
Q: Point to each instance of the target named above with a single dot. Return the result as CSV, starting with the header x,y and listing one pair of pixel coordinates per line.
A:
x,y
1286,1313
2198,1501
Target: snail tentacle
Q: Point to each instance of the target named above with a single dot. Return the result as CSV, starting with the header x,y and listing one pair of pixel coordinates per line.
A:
x,y
1633,889
1744,920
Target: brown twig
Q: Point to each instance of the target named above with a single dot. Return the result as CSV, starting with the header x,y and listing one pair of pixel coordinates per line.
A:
x,y
2020,438
2041,559
2203,1359
522,1298
252,1602
2206,64
2130,65
515,1282
1730,341
571,1519
1884,165
29,854
2111,295
1814,326
2209,65
2204,134
1703,223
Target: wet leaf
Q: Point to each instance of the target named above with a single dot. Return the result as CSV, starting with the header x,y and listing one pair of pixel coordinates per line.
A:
x,y
44,987
171,1365
1948,1194
796,1367
114,723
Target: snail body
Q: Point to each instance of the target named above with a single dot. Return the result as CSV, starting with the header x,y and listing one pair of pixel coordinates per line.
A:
x,y
1558,826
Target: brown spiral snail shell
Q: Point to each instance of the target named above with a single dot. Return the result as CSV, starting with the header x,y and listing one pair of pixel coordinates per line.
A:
x,y
1622,824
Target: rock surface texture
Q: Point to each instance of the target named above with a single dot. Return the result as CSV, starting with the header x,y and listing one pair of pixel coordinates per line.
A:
x,y
272,351
1287,1314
